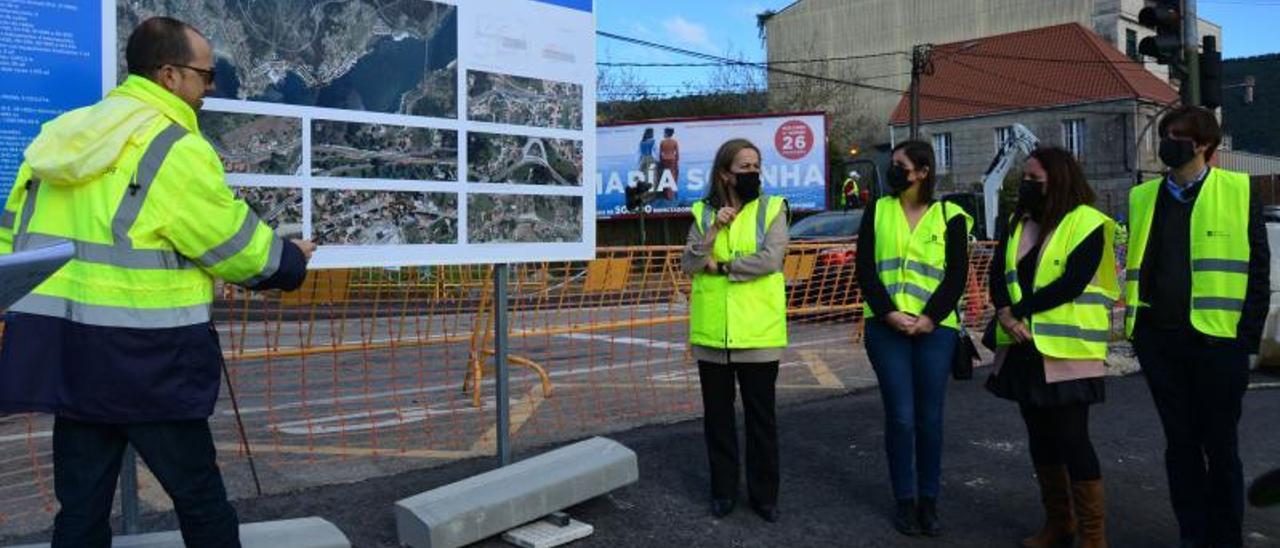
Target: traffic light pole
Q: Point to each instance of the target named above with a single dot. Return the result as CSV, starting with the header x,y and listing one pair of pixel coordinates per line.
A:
x,y
1191,51
920,57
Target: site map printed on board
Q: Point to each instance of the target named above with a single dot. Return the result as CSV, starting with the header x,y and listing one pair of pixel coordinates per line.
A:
x,y
399,132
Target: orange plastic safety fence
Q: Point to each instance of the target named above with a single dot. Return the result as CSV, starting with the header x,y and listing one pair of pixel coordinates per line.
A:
x,y
367,372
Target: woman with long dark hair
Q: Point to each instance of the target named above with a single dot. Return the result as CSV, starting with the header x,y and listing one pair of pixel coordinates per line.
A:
x,y
912,264
1053,282
738,322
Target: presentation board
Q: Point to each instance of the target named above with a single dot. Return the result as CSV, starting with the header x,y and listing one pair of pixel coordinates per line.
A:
x,y
391,133
675,157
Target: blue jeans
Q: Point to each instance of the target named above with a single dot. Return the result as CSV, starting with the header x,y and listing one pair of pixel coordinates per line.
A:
x,y
86,464
912,372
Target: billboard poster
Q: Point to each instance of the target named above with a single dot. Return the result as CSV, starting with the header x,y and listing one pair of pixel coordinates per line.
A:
x,y
675,157
390,133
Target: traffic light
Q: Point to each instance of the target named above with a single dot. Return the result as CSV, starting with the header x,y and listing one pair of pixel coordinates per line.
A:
x,y
1210,74
1165,17
637,195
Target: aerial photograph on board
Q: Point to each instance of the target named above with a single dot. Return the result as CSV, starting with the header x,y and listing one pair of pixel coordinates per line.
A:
x,y
378,151
378,217
523,160
388,56
280,208
251,143
516,218
516,100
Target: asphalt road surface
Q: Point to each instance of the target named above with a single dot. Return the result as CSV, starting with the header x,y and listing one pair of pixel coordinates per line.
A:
x,y
835,487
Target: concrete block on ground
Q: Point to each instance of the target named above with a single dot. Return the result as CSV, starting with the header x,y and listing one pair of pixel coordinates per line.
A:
x,y
487,504
292,533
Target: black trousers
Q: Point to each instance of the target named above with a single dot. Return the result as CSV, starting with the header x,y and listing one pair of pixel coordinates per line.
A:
x,y
1059,435
757,382
1198,387
86,464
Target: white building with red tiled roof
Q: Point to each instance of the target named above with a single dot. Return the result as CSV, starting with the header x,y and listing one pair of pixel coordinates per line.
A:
x,y
1064,83
870,41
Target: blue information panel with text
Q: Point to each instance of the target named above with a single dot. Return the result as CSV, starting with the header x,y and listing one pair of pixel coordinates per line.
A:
x,y
50,62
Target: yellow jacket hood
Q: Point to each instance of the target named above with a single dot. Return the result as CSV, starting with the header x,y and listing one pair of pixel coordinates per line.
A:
x,y
81,145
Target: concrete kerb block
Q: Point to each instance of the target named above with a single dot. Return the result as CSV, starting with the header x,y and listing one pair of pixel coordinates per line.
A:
x,y
293,533
487,504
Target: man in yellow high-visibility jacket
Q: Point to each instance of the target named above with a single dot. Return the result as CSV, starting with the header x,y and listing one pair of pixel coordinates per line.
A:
x,y
1197,294
119,343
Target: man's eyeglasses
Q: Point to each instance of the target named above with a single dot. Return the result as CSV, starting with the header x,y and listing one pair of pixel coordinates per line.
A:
x,y
207,74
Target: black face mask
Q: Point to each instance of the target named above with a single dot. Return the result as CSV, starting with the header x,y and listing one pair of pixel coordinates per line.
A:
x,y
1031,198
898,181
747,186
1175,153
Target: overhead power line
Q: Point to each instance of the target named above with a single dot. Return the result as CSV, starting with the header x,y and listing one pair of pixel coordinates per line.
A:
x,y
798,74
766,63
1128,64
738,62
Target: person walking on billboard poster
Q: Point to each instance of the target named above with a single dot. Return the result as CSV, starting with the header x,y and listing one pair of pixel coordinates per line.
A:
x,y
647,161
669,162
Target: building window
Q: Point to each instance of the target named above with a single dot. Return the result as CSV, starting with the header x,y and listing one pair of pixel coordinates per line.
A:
x,y
1073,137
942,150
1003,134
1131,44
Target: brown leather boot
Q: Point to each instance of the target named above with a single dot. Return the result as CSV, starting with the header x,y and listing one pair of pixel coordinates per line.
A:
x,y
1091,508
1059,522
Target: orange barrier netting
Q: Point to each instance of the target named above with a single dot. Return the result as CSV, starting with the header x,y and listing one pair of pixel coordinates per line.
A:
x,y
368,372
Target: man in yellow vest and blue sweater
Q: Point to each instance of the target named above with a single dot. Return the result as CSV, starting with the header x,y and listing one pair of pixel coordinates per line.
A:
x,y
1197,291
119,343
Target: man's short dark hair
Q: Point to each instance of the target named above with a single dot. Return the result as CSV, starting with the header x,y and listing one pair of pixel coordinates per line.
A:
x,y
157,42
1195,123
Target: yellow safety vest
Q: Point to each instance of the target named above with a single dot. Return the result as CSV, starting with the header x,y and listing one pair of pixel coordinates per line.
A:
x,y
912,263
739,315
1080,329
1219,251
131,182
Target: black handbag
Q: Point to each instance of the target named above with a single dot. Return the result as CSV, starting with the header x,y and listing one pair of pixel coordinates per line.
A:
x,y
962,359
966,353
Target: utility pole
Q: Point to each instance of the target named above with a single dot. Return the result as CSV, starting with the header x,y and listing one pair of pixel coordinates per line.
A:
x,y
921,56
1191,49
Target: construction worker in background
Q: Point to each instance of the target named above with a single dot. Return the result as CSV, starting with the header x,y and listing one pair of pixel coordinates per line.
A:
x,y
850,196
1197,292
119,343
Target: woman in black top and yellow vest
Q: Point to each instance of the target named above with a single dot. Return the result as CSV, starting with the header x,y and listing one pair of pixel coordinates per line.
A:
x,y
912,264
1053,283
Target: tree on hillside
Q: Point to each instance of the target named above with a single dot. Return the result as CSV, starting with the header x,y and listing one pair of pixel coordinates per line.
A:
x,y
1252,126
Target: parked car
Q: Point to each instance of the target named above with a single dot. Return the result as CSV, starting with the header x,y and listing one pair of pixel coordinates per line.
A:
x,y
1271,214
822,276
827,225
1269,355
